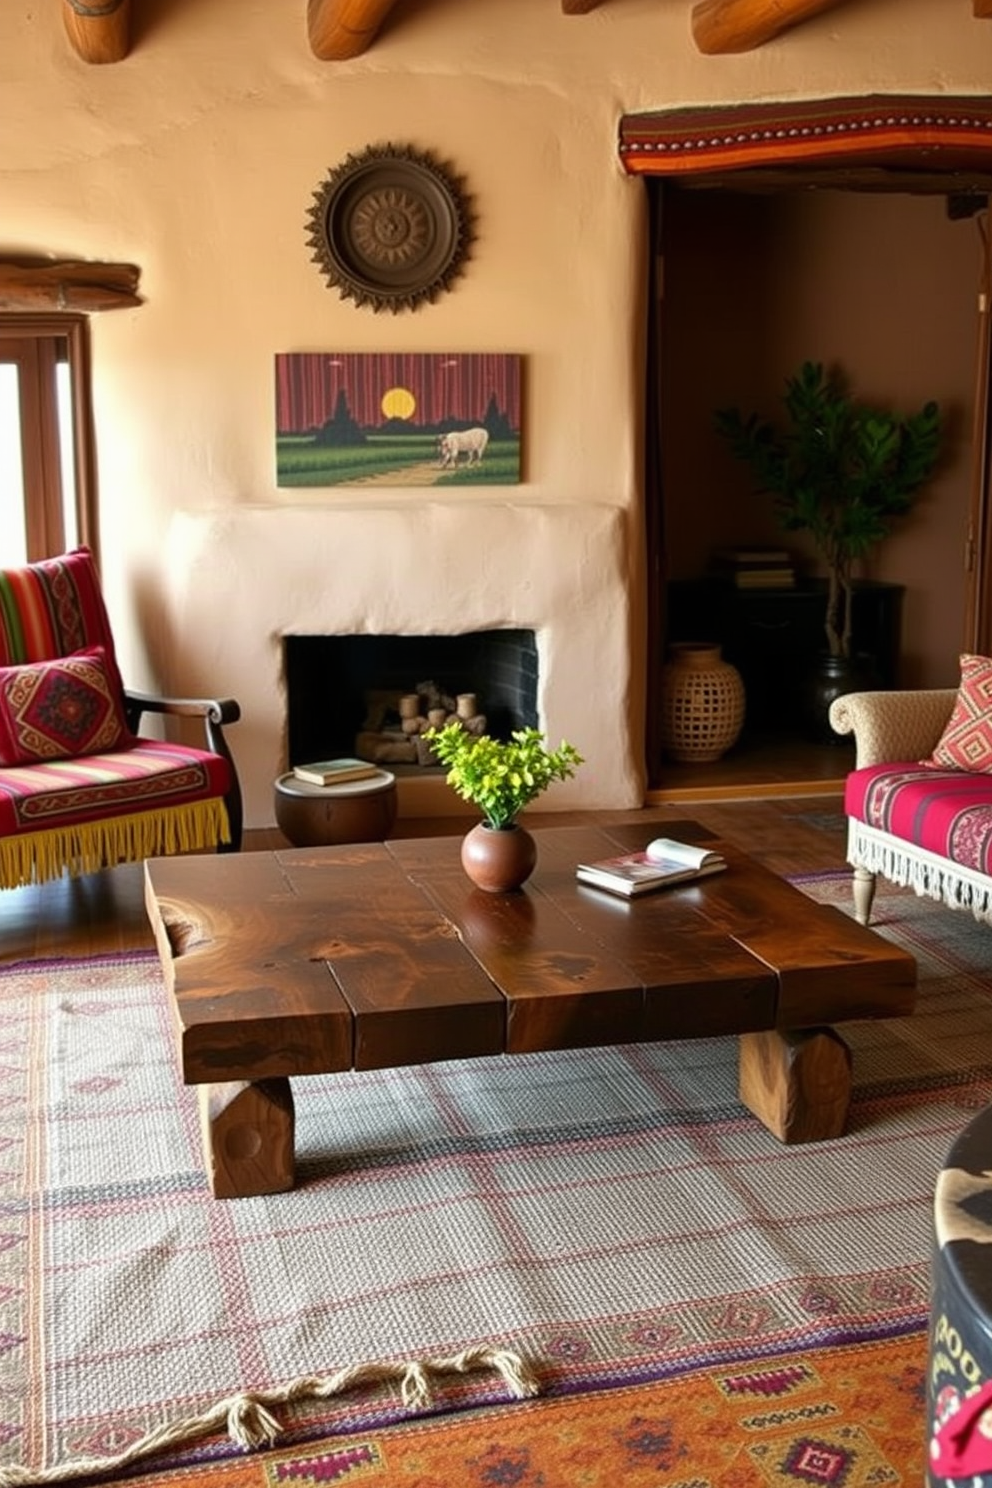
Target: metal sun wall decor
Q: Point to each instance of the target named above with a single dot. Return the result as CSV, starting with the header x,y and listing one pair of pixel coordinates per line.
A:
x,y
397,419
390,228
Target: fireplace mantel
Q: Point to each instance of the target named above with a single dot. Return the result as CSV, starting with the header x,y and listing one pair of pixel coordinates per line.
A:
x,y
411,568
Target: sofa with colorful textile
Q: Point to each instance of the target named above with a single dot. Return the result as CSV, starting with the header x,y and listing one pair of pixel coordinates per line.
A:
x,y
78,789
919,799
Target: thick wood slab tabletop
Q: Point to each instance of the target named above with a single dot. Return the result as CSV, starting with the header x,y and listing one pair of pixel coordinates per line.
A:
x,y
320,959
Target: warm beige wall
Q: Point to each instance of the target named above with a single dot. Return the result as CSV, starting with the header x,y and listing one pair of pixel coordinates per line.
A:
x,y
197,157
884,286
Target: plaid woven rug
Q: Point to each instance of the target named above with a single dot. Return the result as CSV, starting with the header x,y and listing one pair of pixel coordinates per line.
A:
x,y
615,1216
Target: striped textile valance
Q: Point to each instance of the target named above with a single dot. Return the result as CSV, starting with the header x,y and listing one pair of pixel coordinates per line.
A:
x,y
894,131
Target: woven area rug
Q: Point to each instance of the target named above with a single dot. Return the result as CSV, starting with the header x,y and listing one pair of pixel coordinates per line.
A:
x,y
616,1217
838,1418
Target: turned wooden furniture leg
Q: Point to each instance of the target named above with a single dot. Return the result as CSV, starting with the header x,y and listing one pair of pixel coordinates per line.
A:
x,y
864,893
248,1131
797,1082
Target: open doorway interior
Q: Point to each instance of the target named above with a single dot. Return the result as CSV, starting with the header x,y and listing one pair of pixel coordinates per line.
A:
x,y
881,284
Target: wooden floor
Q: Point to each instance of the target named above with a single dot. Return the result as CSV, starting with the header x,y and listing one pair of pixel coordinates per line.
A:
x,y
759,766
104,912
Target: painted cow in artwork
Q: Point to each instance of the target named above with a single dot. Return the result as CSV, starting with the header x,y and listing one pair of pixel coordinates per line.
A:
x,y
470,442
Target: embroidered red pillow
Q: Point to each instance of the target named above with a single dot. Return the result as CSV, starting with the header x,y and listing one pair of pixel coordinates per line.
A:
x,y
966,743
59,709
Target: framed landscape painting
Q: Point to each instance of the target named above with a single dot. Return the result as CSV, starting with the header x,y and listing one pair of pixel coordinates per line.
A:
x,y
397,419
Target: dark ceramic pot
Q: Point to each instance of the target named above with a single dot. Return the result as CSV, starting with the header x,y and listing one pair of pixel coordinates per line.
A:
x,y
832,678
498,859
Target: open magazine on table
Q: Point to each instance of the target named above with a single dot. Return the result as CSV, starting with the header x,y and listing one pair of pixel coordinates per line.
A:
x,y
662,863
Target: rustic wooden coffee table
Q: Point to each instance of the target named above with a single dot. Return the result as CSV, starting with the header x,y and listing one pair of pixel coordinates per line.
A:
x,y
316,960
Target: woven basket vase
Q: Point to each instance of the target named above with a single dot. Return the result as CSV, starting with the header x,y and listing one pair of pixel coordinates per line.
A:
x,y
702,703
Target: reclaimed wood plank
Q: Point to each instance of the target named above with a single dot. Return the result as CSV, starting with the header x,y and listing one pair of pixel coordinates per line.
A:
x,y
563,989
316,959
415,992
249,1006
697,980
829,967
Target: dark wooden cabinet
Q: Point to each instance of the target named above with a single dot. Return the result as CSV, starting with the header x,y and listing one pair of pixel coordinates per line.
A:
x,y
772,635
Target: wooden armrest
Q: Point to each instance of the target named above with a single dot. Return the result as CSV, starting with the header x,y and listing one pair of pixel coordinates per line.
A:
x,y
898,725
217,710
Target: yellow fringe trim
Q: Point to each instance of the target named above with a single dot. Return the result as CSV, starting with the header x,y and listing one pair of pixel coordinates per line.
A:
x,y
35,857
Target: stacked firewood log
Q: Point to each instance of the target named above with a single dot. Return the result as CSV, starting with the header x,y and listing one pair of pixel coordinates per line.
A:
x,y
395,734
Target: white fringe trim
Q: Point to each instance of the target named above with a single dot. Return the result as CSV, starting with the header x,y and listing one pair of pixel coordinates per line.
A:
x,y
250,1424
930,876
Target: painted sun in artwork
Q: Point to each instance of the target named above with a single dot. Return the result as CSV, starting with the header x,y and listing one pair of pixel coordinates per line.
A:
x,y
399,403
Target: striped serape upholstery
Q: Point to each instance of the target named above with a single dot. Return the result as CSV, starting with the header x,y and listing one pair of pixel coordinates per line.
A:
x,y
945,812
146,799
53,608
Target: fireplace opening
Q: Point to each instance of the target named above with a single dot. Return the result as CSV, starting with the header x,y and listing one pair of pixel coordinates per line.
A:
x,y
340,690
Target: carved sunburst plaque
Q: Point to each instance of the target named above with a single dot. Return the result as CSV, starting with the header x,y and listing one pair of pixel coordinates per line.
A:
x,y
390,228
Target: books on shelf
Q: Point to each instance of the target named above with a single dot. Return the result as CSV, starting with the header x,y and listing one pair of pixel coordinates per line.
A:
x,y
755,568
663,862
335,771
752,557
764,578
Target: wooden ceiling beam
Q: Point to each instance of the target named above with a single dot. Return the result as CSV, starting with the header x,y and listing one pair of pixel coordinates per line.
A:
x,y
982,9
99,30
67,285
742,25
340,29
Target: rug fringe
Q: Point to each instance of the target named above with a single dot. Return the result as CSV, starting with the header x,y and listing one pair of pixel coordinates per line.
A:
x,y
250,1424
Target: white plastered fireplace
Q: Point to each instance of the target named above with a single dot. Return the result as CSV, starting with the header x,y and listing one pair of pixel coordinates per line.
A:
x,y
241,579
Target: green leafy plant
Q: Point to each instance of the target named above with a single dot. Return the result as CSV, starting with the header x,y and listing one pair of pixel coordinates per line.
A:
x,y
841,469
501,777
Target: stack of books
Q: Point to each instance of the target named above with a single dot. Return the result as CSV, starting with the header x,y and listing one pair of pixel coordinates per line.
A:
x,y
755,568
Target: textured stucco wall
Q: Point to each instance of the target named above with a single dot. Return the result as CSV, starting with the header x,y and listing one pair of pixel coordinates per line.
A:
x,y
197,158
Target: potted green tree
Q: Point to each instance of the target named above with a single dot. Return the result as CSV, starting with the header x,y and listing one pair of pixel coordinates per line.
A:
x,y
500,777
843,470
840,469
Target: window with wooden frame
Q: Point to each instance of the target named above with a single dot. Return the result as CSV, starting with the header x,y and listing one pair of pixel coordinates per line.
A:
x,y
47,486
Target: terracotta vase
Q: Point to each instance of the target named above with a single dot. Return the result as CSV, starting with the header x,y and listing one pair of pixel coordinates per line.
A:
x,y
498,859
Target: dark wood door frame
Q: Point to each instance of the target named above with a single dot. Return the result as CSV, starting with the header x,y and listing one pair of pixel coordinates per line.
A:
x,y
978,553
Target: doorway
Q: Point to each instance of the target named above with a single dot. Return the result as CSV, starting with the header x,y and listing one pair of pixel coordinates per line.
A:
x,y
882,285
858,241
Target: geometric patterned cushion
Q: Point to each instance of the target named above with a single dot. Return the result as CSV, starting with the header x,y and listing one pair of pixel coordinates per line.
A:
x,y
966,743
59,709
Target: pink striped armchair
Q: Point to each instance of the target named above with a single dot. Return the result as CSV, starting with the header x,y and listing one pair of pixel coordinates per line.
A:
x,y
920,824
79,790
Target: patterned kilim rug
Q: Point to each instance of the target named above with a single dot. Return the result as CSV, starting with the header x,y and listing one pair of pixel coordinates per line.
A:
x,y
698,1303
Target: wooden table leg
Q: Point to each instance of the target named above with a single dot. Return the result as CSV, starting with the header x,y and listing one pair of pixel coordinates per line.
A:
x,y
798,1082
248,1137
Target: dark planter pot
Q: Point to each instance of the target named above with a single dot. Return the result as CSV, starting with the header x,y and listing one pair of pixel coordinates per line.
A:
x,y
832,677
498,860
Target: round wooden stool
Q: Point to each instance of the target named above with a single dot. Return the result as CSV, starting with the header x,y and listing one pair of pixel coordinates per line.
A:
x,y
326,815
959,1394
